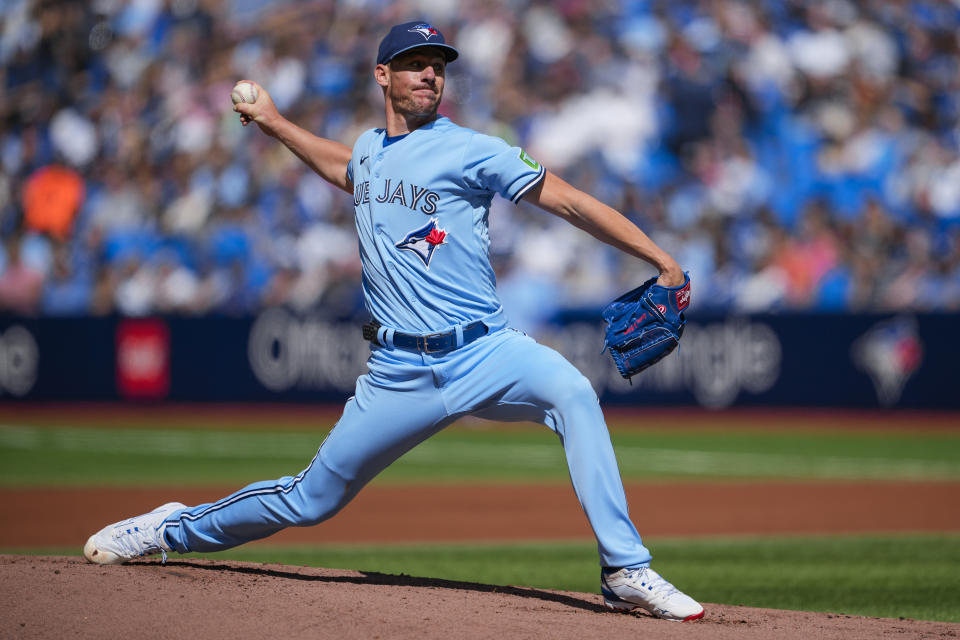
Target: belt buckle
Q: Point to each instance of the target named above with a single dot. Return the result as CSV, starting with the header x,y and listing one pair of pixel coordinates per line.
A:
x,y
423,342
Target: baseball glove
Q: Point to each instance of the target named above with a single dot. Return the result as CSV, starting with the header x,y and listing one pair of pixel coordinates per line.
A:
x,y
644,325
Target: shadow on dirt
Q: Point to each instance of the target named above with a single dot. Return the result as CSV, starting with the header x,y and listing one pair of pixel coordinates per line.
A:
x,y
402,580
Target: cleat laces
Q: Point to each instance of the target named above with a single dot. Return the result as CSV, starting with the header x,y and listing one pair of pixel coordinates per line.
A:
x,y
134,541
652,581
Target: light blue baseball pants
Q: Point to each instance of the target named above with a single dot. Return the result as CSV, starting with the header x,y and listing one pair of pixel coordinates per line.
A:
x,y
404,399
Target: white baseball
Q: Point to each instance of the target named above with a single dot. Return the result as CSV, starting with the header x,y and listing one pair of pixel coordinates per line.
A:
x,y
244,92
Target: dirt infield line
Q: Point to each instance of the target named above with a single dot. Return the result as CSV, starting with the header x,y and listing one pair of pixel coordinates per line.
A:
x,y
56,517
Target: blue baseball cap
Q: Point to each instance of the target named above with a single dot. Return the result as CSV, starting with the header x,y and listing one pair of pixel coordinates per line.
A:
x,y
411,35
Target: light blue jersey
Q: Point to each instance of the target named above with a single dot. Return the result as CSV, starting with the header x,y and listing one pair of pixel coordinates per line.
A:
x,y
422,204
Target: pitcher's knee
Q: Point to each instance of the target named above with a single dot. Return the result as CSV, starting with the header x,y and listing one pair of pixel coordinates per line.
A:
x,y
316,509
573,390
320,495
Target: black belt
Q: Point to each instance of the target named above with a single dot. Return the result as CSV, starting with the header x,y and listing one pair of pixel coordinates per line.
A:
x,y
430,343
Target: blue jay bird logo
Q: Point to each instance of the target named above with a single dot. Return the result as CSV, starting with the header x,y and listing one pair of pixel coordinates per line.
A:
x,y
423,242
425,30
890,353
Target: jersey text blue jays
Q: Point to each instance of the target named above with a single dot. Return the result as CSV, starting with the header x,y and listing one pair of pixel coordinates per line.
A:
x,y
413,196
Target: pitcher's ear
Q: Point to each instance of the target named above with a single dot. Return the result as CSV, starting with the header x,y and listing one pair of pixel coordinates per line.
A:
x,y
381,74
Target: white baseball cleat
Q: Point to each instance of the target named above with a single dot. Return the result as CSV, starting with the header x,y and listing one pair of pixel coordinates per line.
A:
x,y
132,538
644,588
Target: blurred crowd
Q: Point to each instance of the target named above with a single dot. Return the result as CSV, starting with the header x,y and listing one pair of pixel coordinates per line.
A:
x,y
794,156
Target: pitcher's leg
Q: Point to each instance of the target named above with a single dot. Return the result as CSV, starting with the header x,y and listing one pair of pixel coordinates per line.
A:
x,y
538,384
259,510
379,424
578,421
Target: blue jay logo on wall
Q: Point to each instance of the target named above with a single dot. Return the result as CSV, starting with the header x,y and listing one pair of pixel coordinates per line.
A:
x,y
890,352
423,242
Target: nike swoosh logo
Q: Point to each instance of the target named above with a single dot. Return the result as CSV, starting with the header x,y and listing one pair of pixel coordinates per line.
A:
x,y
363,159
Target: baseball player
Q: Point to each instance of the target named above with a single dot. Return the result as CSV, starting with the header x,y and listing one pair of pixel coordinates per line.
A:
x,y
441,347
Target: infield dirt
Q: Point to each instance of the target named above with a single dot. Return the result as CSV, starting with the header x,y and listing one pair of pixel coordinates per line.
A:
x,y
38,517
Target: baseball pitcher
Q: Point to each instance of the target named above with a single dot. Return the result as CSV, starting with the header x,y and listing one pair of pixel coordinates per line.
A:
x,y
441,347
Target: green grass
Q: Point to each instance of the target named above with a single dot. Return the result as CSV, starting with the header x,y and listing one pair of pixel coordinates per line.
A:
x,y
89,455
911,576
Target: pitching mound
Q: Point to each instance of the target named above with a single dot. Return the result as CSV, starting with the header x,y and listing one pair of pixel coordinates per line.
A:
x,y
57,597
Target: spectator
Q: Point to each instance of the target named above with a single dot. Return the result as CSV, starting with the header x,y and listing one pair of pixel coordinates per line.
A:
x,y
69,289
51,198
21,285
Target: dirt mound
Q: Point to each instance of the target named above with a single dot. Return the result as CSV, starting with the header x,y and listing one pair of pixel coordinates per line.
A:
x,y
57,597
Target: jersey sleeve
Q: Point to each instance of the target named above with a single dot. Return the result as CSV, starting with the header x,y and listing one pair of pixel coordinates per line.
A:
x,y
350,170
490,164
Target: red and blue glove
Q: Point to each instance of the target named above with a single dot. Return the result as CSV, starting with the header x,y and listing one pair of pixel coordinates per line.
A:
x,y
644,325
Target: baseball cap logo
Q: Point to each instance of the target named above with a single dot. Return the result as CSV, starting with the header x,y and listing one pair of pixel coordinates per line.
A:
x,y
426,30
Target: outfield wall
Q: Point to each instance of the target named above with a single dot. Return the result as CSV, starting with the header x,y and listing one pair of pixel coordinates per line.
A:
x,y
866,361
